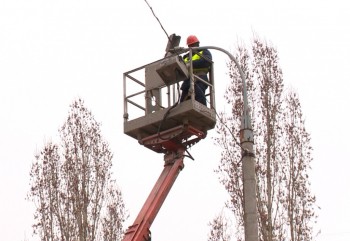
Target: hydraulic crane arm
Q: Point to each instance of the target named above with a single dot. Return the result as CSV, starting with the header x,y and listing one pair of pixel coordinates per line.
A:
x,y
140,230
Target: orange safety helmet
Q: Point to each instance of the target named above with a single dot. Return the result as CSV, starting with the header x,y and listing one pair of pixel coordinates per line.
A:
x,y
192,39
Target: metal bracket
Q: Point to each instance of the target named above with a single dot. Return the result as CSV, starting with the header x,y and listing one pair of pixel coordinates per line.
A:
x,y
180,137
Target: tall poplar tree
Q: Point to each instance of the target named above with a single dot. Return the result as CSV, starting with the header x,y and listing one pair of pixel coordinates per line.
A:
x,y
72,186
285,203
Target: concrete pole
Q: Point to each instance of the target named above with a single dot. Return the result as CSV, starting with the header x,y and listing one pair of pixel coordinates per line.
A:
x,y
249,186
248,157
251,231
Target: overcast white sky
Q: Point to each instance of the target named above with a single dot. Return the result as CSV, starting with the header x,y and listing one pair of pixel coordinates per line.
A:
x,y
52,52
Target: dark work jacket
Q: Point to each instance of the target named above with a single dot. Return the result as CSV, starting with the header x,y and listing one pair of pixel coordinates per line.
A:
x,y
198,64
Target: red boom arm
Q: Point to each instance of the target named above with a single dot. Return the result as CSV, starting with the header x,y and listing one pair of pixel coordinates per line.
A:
x,y
140,230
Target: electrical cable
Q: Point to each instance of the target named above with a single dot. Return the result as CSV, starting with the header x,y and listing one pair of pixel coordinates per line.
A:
x,y
168,111
161,25
167,35
158,20
225,125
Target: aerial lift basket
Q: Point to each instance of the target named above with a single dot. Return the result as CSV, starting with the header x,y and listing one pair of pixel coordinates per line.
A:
x,y
152,112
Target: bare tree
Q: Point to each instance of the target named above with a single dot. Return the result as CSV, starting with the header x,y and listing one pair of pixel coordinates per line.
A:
x,y
282,145
219,229
72,187
299,201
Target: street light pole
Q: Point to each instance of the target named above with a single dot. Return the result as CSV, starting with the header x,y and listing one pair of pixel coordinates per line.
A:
x,y
248,156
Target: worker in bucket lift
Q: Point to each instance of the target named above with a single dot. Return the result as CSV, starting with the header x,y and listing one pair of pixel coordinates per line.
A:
x,y
201,61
